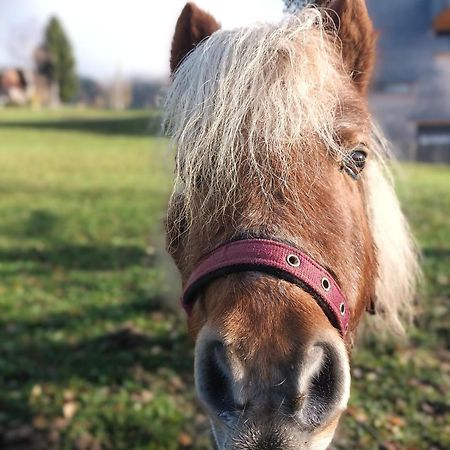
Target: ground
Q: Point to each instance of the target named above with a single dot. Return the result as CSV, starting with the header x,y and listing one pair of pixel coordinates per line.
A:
x,y
92,353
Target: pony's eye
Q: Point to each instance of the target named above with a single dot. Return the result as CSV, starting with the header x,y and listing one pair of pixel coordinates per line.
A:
x,y
359,158
353,163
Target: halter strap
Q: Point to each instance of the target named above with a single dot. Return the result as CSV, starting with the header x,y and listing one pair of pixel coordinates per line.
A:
x,y
275,259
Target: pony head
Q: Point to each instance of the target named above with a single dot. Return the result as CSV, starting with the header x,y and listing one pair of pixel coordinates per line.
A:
x,y
274,141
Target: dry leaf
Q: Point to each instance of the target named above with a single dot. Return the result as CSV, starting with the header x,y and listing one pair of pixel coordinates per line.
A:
x,y
40,422
59,423
36,391
69,396
69,409
147,396
397,421
185,440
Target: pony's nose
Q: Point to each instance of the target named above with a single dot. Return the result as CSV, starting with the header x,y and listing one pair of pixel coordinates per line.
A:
x,y
310,387
214,379
323,382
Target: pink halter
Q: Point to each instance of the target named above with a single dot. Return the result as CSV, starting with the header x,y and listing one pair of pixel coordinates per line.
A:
x,y
276,259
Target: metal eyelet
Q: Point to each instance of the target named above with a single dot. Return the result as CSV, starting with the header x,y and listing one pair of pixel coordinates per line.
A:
x,y
293,260
342,308
326,284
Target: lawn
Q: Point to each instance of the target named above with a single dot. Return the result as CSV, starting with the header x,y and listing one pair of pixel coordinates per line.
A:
x,y
92,356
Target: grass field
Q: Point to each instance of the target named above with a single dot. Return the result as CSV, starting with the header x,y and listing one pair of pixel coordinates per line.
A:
x,y
91,356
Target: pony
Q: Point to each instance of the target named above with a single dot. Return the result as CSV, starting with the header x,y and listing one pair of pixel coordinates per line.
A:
x,y
283,221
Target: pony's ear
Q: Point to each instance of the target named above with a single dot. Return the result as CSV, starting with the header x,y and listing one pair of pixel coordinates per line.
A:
x,y
193,26
358,38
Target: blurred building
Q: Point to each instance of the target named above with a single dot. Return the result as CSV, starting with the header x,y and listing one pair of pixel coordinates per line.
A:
x,y
16,86
411,92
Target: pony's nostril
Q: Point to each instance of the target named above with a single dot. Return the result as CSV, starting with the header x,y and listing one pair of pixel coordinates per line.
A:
x,y
324,382
213,379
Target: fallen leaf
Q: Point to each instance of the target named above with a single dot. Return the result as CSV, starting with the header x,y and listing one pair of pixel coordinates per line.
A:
x,y
54,436
36,391
397,421
69,396
84,442
40,422
185,440
371,376
69,409
59,423
147,396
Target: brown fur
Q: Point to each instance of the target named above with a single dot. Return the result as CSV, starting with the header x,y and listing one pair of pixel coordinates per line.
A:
x,y
334,231
267,325
357,36
193,26
248,302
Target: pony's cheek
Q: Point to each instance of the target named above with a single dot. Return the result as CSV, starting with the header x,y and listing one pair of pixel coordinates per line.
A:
x,y
196,320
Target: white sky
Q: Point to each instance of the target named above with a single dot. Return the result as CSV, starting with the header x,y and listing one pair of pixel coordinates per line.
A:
x,y
109,36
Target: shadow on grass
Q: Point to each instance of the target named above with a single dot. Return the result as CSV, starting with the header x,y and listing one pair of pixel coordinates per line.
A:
x,y
437,253
139,304
107,356
125,126
40,223
116,358
78,257
102,360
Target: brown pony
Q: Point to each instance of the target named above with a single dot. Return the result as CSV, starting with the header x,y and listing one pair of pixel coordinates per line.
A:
x,y
275,141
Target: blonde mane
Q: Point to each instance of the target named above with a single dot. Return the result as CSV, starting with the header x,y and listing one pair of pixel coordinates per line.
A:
x,y
264,67
286,86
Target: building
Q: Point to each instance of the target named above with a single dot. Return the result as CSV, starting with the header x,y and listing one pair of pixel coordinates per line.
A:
x,y
20,87
411,89
16,87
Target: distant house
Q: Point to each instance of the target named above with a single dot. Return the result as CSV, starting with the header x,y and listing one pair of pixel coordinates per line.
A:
x,y
16,87
411,91
22,87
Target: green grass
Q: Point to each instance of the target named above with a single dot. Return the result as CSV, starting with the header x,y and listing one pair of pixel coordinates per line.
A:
x,y
90,355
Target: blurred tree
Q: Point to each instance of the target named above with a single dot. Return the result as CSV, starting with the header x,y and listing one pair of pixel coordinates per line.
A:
x,y
62,67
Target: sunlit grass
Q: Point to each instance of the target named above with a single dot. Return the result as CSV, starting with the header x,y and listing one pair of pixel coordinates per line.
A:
x,y
91,357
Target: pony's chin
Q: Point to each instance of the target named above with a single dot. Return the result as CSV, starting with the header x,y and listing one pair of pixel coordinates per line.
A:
x,y
299,441
219,436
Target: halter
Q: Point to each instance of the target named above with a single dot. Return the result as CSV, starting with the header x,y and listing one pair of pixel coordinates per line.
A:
x,y
278,260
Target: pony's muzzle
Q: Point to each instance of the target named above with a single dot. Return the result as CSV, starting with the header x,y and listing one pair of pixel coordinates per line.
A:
x,y
304,391
323,382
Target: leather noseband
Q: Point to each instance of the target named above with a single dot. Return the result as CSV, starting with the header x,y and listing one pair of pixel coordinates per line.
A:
x,y
278,260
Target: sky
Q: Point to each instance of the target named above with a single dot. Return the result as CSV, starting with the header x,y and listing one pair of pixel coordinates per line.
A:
x,y
110,37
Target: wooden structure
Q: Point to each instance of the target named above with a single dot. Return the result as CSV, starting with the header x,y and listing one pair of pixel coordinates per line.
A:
x,y
411,89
